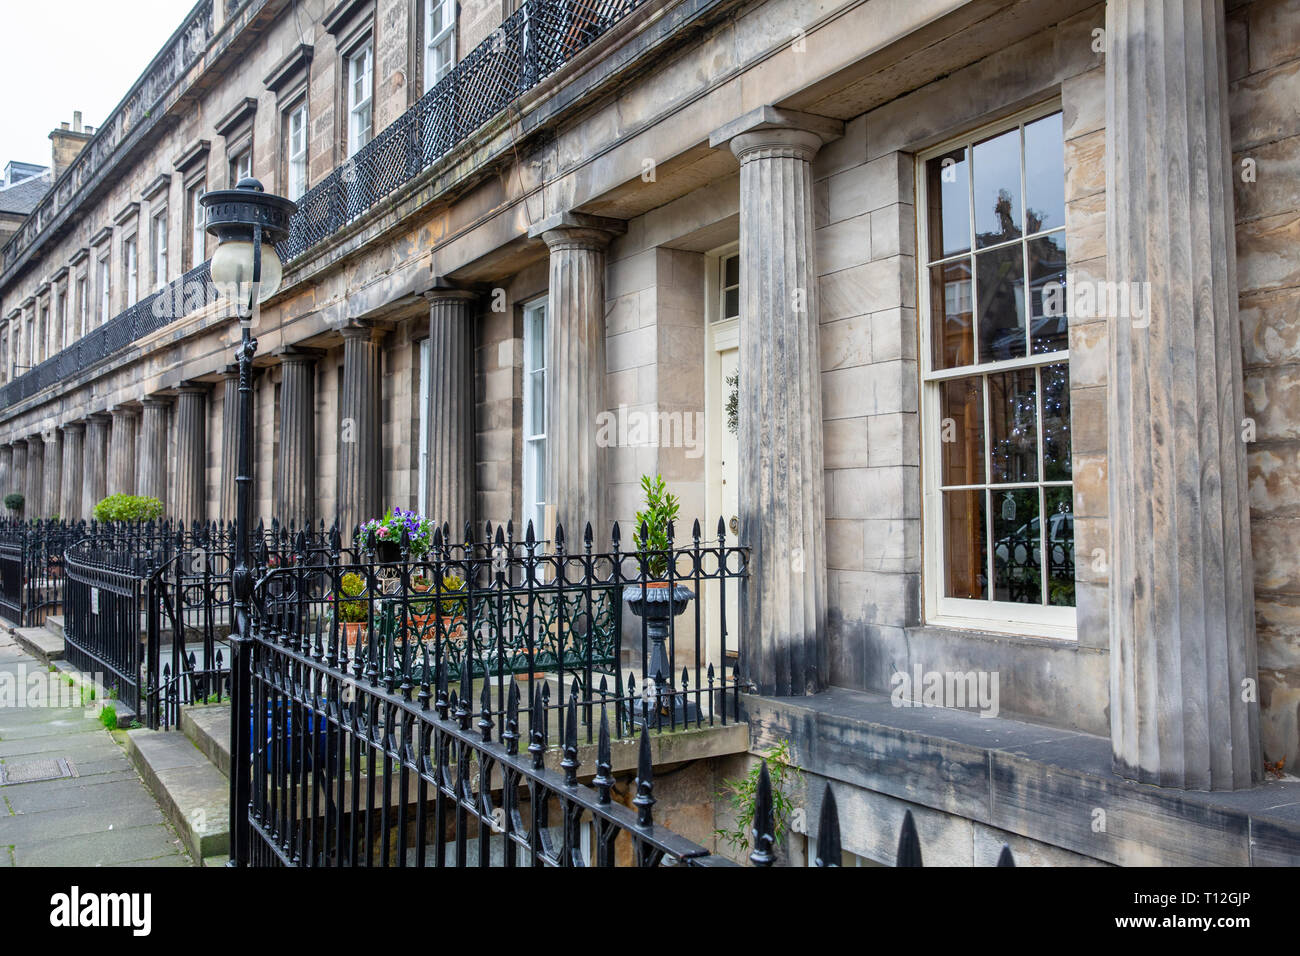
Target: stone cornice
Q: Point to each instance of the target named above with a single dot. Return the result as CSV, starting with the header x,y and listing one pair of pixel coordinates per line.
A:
x,y
337,20
191,155
288,69
161,184
102,236
127,213
243,110
80,256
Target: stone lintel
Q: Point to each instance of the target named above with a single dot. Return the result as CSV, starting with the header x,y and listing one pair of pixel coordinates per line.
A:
x,y
771,117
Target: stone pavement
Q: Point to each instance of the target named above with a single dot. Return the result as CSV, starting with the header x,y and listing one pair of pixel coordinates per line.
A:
x,y
68,794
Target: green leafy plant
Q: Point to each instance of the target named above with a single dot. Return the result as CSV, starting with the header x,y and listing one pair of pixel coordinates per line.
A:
x,y
108,717
451,602
128,508
733,403
660,510
14,501
741,794
352,611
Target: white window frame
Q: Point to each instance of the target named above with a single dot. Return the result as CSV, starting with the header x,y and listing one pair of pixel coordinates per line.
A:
x,y
360,65
437,62
105,280
1029,620
131,269
296,153
241,163
83,305
158,246
194,209
534,441
426,370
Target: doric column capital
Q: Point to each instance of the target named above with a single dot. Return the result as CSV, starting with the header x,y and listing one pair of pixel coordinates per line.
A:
x,y
444,290
363,331
771,133
78,425
155,401
193,387
576,230
298,355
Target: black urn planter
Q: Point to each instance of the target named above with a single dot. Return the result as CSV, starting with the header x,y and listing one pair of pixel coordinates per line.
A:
x,y
657,605
388,552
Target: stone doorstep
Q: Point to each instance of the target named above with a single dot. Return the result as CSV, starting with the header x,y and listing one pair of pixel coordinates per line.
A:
x,y
194,794
208,727
1039,782
42,643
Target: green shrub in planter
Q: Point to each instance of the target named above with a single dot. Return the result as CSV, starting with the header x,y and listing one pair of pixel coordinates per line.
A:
x,y
14,501
128,508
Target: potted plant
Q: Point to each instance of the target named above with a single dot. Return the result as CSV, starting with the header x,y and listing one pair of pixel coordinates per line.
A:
x,y
383,536
352,608
655,598
14,502
448,608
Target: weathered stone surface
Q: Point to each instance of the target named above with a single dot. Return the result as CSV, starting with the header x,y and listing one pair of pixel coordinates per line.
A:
x,y
1181,615
451,491
122,452
296,474
189,498
359,438
73,469
151,476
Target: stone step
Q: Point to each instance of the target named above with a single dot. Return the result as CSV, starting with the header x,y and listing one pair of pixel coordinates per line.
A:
x,y
192,792
40,642
54,624
208,728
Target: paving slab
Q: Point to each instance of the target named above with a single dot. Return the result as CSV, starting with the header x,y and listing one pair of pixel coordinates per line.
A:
x,y
97,813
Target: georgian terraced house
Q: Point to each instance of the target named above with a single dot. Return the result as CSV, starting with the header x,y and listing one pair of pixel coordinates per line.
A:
x,y
1007,292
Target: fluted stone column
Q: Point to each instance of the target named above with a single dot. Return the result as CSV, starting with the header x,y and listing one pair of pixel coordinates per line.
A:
x,y
74,434
121,452
151,476
95,486
33,503
360,454
18,478
189,497
229,441
782,499
451,469
52,490
6,469
575,362
296,475
1183,697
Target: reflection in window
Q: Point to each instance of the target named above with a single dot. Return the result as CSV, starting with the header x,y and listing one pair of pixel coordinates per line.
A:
x,y
997,267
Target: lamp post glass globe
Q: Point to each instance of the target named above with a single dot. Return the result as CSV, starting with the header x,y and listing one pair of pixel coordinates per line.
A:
x,y
232,270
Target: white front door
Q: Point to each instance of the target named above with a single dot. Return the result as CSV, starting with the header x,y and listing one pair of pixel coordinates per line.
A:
x,y
723,481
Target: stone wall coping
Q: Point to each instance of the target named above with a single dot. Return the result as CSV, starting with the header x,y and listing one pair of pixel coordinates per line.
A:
x,y
1037,781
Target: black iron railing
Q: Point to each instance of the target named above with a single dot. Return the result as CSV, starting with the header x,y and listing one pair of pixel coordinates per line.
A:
x,y
150,314
535,41
31,568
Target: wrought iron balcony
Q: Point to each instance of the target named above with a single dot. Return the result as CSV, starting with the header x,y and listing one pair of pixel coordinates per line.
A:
x,y
535,41
532,44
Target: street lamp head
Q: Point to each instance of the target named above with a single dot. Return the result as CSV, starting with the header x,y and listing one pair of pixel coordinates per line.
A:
x,y
233,215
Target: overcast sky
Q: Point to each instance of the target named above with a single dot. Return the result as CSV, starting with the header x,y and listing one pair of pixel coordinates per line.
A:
x,y
57,56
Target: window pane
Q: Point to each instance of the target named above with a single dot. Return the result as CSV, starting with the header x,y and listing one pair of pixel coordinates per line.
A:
x,y
731,304
1013,426
1049,331
962,431
537,406
1056,423
996,165
1044,174
952,332
1000,297
1017,548
1060,546
948,195
965,545
731,274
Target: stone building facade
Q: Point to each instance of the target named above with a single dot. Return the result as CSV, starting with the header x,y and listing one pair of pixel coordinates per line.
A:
x,y
1012,311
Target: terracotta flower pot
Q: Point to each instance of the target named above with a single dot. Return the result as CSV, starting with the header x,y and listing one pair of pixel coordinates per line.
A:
x,y
354,632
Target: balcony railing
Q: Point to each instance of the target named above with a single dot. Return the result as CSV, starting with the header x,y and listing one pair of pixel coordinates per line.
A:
x,y
147,316
539,38
534,42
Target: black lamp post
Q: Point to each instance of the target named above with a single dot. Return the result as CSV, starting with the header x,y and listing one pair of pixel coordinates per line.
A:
x,y
247,222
